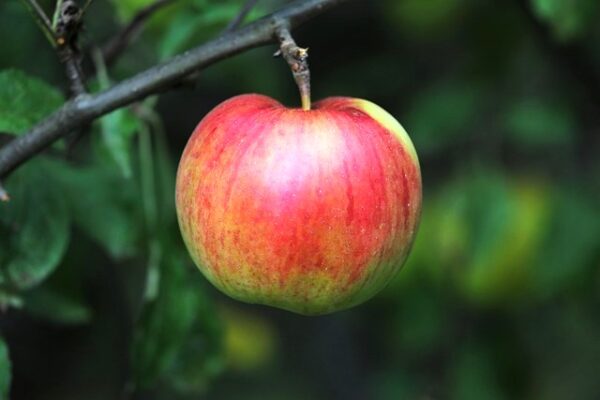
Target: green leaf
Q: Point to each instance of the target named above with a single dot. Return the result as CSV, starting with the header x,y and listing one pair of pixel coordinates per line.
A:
x,y
24,101
571,241
118,129
57,307
423,19
433,124
568,19
61,298
37,223
176,331
538,122
9,298
105,206
194,24
5,370
165,180
421,324
178,34
202,358
126,9
490,231
473,375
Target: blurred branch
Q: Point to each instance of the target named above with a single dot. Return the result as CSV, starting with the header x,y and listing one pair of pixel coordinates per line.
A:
x,y
115,46
239,19
85,108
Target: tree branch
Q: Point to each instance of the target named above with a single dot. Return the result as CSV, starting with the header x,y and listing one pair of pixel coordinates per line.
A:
x,y
85,108
239,19
116,45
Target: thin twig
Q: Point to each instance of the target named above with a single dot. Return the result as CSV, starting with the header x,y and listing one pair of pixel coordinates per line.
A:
x,y
40,13
82,110
115,46
86,5
239,19
41,18
297,59
57,9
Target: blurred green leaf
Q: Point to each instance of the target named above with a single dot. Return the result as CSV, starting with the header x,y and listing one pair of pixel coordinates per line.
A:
x,y
490,228
58,307
5,370
105,205
118,127
202,359
444,114
61,298
126,9
421,324
37,221
564,349
179,34
570,244
473,375
250,340
425,18
24,100
176,331
393,384
165,177
568,19
270,79
191,28
538,122
9,298
118,130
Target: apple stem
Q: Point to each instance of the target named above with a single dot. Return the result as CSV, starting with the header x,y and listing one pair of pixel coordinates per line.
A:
x,y
297,59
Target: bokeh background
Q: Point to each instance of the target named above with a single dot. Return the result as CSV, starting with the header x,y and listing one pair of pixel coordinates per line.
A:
x,y
499,299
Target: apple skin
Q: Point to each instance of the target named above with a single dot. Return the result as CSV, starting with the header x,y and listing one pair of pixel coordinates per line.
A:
x,y
310,211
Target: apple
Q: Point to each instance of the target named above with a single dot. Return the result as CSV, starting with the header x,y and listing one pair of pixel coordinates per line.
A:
x,y
312,211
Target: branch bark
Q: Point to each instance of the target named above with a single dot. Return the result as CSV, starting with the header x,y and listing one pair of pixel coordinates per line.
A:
x,y
85,108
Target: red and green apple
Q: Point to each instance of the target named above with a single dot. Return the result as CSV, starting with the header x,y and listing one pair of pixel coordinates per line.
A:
x,y
312,211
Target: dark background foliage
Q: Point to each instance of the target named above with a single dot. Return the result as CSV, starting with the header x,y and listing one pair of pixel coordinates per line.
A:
x,y
499,298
